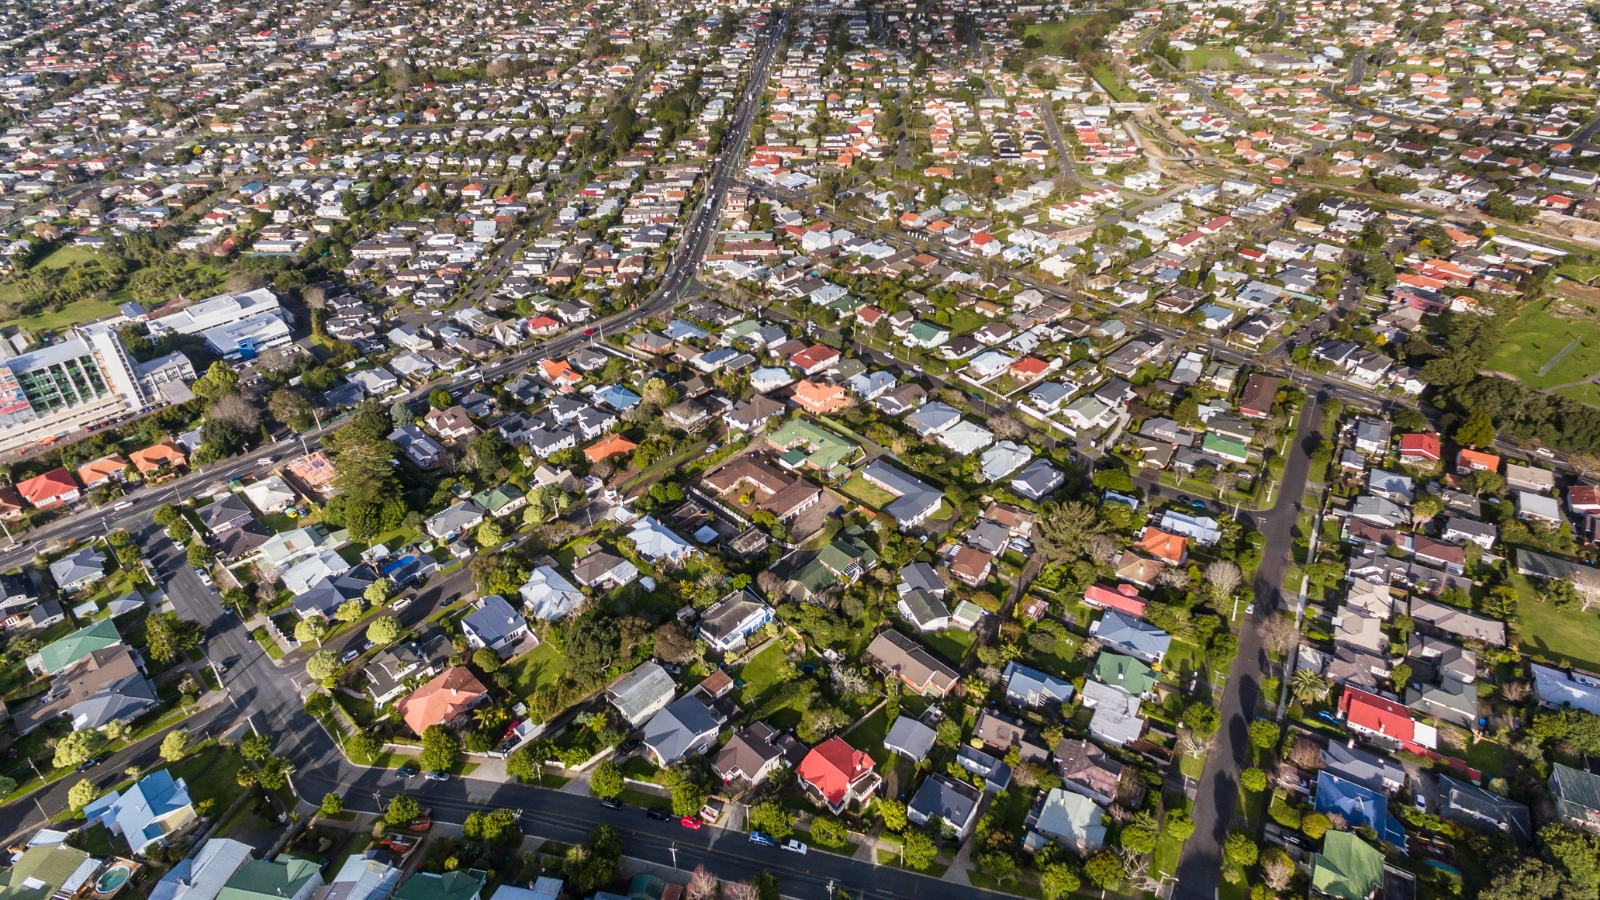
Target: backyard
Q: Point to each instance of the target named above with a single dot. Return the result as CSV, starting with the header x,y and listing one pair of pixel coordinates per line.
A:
x,y
535,669
1556,635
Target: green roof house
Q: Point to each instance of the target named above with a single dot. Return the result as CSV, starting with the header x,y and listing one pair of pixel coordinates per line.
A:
x,y
811,445
926,335
1347,867
287,878
45,869
1577,795
456,885
1231,449
1125,672
74,647
502,500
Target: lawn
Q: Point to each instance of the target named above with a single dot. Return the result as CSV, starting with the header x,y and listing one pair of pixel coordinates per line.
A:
x,y
1556,636
1183,659
1053,33
1583,393
868,495
1113,85
542,666
952,643
1584,272
1200,56
869,736
75,313
1535,338
212,773
759,675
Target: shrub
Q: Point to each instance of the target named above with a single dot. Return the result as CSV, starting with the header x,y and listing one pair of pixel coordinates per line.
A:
x,y
826,832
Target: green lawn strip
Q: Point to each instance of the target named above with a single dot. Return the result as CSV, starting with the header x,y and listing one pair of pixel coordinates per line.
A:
x,y
869,736
869,495
952,643
640,798
692,451
892,860
1534,338
1016,887
267,643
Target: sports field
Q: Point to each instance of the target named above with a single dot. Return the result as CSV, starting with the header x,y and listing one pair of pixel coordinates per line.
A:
x,y
1551,342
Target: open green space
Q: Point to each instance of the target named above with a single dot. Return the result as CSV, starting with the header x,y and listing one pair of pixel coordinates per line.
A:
x,y
1113,85
1556,635
1053,33
535,669
75,313
1583,393
868,495
952,643
760,674
1584,272
1200,58
1535,338
869,736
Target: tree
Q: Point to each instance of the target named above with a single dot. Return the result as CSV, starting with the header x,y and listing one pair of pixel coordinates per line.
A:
x,y
606,781
1179,825
1105,870
1531,879
1253,779
1224,578
1241,849
311,628
1202,718
1477,431
403,810
440,399
77,748
687,799
323,666
490,535
918,851
1575,853
199,556
674,643
1139,835
348,611
174,745
702,885
1065,529
771,817
82,794
332,804
486,660
494,827
766,885
384,630
893,813
165,515
256,747
1308,686
1315,825
167,635
1426,508
1277,869
523,765
948,732
440,746
1265,734
377,593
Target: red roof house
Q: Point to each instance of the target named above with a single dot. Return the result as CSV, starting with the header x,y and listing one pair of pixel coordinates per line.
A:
x,y
1373,715
838,773
1122,598
814,359
1477,461
50,490
1419,449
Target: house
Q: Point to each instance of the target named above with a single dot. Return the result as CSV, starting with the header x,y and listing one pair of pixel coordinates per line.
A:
x,y
229,511
1469,461
1371,435
421,450
954,803
389,669
1133,636
1373,771
1201,529
642,692
56,656
1483,810
1555,688
1443,619
604,570
683,728
1348,868
1577,796
1038,480
444,700
102,471
47,868
108,685
79,570
457,885
202,876
495,625
1539,509
1123,598
362,878
451,425
1528,478
1030,687
1419,449
914,500
654,542
154,809
752,754
923,610
1073,820
1001,734
1259,393
893,653
728,624
838,774
458,517
1088,770
1116,720
1360,807
288,878
269,495
1171,549
1386,721
547,595
910,738
52,489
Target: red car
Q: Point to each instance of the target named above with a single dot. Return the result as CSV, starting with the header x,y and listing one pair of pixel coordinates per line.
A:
x,y
690,822
588,331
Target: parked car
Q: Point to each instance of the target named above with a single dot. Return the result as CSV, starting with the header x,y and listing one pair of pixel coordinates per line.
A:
x,y
762,838
611,803
657,814
91,763
627,746
793,845
436,775
349,655
691,822
409,770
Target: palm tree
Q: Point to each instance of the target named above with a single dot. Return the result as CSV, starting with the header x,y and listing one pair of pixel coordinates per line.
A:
x,y
1309,686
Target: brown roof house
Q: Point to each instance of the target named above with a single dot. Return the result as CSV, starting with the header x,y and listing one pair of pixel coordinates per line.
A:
x,y
756,752
894,653
1087,770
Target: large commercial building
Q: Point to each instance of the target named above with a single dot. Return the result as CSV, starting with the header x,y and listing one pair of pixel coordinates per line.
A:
x,y
237,326
84,380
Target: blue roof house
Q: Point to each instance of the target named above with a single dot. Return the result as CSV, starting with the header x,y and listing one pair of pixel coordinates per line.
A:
x,y
1359,806
155,807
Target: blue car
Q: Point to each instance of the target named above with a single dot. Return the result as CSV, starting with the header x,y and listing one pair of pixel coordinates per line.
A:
x,y
762,838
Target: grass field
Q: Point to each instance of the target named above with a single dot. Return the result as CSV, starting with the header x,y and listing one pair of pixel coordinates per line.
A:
x,y
868,495
1534,339
1584,272
1053,33
1113,86
1200,56
1583,393
952,643
760,674
71,314
541,666
1557,636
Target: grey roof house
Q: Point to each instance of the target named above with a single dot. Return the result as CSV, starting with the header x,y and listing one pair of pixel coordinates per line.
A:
x,y
684,728
495,625
910,738
953,802
1134,637
642,693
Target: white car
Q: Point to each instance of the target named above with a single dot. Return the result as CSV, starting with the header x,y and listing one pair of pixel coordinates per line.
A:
x,y
794,846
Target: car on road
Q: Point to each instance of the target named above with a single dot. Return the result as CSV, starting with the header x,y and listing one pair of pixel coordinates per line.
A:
x,y
1183,499
1250,610
400,603
611,803
657,814
436,775
794,846
691,822
350,654
762,838
588,331
409,770
1199,504
201,573
91,764
507,546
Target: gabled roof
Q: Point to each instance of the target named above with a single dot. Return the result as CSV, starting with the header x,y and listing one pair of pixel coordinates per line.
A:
x,y
647,687
832,766
262,880
150,798
674,731
79,644
457,885
1124,672
443,698
1359,806
1348,867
